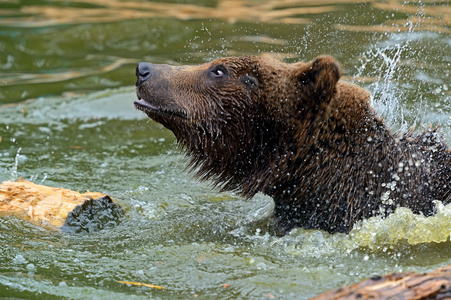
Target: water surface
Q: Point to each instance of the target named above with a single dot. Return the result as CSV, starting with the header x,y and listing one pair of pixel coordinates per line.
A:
x,y
67,120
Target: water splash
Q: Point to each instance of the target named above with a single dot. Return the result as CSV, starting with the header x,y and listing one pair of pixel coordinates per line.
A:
x,y
385,92
14,168
44,178
401,230
384,61
404,225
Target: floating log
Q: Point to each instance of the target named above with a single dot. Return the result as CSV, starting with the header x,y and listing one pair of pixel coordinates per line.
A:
x,y
431,285
58,208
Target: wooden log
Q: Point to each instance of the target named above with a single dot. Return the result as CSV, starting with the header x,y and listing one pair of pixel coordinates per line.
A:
x,y
58,208
431,285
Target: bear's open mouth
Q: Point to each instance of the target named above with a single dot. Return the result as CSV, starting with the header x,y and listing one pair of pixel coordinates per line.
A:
x,y
145,106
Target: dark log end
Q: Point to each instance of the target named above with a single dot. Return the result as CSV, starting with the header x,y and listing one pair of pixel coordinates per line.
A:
x,y
93,215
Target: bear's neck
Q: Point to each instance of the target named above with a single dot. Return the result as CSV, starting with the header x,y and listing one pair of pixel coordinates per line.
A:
x,y
350,166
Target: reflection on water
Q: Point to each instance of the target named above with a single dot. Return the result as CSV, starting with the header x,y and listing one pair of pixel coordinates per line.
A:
x,y
425,14
83,11
179,233
21,79
93,44
231,11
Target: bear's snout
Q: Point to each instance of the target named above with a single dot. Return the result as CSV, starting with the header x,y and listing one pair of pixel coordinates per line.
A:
x,y
143,72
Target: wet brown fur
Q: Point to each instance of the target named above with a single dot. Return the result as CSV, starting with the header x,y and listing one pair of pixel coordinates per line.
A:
x,y
298,134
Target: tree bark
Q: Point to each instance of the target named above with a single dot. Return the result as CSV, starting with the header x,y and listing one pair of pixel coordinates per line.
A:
x,y
431,285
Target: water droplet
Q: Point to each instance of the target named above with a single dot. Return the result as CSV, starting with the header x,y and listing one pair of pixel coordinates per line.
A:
x,y
19,259
261,266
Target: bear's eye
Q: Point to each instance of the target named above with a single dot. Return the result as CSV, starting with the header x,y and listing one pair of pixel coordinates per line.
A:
x,y
218,72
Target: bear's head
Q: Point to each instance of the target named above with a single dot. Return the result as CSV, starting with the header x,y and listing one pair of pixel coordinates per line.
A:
x,y
240,119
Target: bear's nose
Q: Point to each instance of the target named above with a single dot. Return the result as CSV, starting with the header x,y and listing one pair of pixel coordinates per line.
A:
x,y
143,72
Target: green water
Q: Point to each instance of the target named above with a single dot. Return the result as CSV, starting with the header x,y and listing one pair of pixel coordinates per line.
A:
x,y
67,118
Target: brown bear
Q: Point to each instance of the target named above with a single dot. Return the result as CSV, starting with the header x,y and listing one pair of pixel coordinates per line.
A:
x,y
297,133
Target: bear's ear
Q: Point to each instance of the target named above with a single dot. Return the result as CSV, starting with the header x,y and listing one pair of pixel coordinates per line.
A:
x,y
318,78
